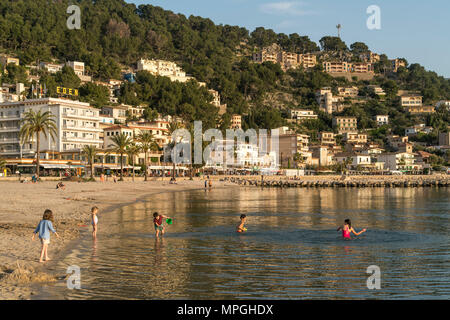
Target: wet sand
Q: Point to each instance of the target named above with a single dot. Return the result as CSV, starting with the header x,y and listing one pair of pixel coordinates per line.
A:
x,y
21,209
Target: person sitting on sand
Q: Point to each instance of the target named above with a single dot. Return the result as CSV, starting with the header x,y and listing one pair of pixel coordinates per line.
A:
x,y
347,229
61,185
241,228
94,222
158,222
44,227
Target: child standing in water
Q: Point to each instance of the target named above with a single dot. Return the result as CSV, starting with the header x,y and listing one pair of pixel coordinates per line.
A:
x,y
44,227
241,227
94,222
347,229
158,222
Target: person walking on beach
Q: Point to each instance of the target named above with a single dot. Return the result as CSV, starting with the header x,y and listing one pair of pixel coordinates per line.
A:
x,y
158,222
94,222
44,227
347,229
241,226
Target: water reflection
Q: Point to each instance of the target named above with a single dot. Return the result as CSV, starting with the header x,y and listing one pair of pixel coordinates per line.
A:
x,y
292,249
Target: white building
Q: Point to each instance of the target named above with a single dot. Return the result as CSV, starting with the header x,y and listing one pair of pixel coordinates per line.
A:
x,y
77,125
51,67
382,120
302,115
164,69
399,161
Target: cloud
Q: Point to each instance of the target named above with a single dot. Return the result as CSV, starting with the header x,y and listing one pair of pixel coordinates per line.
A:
x,y
291,8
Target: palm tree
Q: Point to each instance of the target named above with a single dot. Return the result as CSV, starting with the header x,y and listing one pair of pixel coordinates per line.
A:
x,y
173,126
33,125
133,150
2,164
90,151
147,142
121,142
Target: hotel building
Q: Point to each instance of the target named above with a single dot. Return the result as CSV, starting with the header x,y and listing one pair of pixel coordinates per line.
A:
x,y
345,124
77,125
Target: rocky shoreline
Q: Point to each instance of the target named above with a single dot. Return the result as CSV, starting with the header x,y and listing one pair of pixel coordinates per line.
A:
x,y
345,182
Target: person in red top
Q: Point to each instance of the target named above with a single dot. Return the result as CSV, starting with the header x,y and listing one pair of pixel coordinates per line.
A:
x,y
158,222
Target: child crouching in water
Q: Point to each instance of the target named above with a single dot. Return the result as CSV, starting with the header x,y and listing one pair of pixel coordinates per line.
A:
x,y
241,226
347,229
158,222
44,227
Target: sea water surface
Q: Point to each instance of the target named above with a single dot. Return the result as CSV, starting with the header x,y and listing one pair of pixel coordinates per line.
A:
x,y
291,249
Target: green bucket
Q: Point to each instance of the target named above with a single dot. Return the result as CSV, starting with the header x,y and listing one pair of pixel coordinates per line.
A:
x,y
169,221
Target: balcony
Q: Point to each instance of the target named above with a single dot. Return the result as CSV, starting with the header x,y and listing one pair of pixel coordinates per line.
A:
x,y
79,116
9,140
81,139
9,129
81,128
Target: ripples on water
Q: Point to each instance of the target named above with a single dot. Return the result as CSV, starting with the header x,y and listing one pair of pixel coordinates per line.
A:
x,y
291,251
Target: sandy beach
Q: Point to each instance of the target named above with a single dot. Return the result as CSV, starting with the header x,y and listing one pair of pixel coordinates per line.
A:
x,y
22,207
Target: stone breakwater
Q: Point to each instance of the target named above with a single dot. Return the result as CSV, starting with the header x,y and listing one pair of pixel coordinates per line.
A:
x,y
345,182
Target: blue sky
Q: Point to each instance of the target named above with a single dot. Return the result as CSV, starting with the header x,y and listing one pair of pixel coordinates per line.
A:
x,y
416,30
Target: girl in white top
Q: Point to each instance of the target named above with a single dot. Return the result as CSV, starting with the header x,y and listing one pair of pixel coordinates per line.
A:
x,y
94,222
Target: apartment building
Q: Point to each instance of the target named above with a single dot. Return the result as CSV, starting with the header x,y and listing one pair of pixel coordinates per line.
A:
x,y
164,69
302,115
397,63
361,67
369,57
354,137
236,121
327,138
395,141
419,128
328,102
51,67
421,109
410,100
78,67
158,128
321,156
118,113
5,60
354,160
399,161
77,125
287,60
292,144
377,90
307,60
345,124
10,92
342,67
382,120
267,54
336,66
351,92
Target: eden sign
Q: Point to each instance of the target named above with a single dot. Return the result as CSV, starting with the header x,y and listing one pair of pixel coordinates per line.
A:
x,y
67,91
